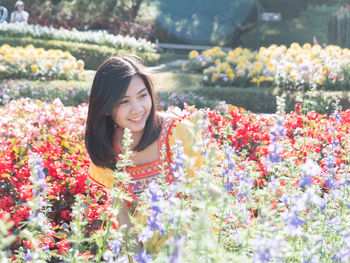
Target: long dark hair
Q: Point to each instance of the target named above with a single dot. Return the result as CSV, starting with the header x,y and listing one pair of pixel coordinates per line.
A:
x,y
108,88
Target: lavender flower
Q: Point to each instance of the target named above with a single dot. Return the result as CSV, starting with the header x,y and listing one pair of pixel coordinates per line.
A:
x,y
115,246
343,255
38,176
337,116
179,246
113,255
229,166
178,161
276,148
28,256
145,234
266,249
245,183
143,257
310,169
293,221
156,196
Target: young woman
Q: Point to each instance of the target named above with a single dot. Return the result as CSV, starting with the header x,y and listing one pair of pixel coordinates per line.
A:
x,y
123,96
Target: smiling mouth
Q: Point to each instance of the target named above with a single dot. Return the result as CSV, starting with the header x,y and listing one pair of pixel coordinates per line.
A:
x,y
137,118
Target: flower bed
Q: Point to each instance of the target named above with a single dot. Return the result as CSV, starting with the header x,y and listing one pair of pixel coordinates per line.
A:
x,y
279,191
296,67
91,37
71,94
37,63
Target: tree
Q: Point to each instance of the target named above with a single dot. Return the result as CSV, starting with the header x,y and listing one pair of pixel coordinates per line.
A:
x,y
224,21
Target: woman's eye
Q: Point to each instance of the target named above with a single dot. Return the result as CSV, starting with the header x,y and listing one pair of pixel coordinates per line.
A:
x,y
124,102
144,95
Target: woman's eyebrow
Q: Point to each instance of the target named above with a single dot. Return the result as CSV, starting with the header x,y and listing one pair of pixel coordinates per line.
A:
x,y
142,90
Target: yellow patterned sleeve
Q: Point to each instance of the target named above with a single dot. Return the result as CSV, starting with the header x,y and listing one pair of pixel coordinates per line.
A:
x,y
101,176
191,139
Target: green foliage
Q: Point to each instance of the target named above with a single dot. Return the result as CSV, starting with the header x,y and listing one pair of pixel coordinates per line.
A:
x,y
92,55
315,19
201,21
339,27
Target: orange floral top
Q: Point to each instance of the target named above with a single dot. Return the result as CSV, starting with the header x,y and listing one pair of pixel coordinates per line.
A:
x,y
173,129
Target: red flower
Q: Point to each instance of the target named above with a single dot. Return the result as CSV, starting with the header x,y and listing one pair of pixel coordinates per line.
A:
x,y
48,241
66,215
63,246
28,244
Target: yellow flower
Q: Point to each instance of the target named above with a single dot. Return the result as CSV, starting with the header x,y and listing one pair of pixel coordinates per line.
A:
x,y
320,80
231,75
307,46
295,45
12,57
241,65
240,73
49,65
217,61
299,59
262,78
192,54
4,48
2,68
67,54
325,68
257,66
224,66
256,80
228,70
288,68
214,77
34,68
66,66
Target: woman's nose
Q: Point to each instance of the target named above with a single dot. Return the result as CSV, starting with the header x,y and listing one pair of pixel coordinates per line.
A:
x,y
136,106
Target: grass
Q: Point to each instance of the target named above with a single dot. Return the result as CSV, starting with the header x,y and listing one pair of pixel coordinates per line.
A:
x,y
179,82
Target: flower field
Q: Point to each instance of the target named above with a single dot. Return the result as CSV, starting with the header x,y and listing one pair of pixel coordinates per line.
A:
x,y
279,191
297,67
99,37
36,63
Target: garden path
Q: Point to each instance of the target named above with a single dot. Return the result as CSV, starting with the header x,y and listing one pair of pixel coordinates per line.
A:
x,y
170,65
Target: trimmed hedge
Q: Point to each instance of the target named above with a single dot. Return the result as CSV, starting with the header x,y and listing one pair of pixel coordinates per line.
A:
x,y
263,100
92,55
71,93
258,100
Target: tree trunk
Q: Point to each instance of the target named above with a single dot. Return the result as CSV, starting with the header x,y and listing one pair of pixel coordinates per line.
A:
x,y
135,8
240,31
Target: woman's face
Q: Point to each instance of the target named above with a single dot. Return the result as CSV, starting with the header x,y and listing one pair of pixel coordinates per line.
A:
x,y
134,109
20,8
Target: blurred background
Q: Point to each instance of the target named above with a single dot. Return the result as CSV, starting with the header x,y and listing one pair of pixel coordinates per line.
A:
x,y
228,23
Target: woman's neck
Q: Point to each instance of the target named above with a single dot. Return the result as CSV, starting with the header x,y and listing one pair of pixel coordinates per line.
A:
x,y
135,136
